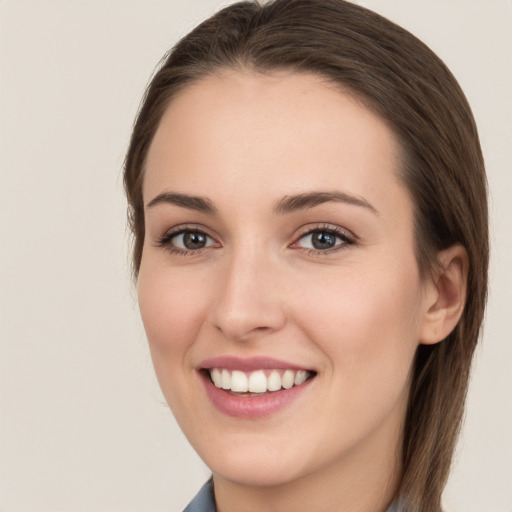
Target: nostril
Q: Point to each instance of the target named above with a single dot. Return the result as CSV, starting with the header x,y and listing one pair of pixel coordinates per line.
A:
x,y
244,308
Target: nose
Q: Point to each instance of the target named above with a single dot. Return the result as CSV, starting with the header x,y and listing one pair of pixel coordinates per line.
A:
x,y
249,303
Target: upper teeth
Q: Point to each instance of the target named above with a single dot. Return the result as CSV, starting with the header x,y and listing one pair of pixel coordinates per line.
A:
x,y
258,381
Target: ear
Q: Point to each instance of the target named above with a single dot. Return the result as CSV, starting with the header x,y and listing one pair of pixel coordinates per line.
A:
x,y
445,295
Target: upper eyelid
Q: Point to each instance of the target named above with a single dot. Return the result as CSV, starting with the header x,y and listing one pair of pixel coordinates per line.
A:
x,y
324,226
183,228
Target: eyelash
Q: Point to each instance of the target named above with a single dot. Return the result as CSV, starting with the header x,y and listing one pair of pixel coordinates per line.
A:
x,y
347,239
165,240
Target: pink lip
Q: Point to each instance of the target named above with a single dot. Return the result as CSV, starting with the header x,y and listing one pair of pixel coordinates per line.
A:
x,y
249,364
245,406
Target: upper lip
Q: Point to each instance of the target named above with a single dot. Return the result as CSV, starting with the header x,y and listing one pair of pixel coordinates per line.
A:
x,y
249,364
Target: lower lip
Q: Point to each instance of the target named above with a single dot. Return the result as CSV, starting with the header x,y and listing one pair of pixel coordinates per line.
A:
x,y
252,407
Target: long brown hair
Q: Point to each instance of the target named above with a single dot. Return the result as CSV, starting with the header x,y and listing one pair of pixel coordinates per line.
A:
x,y
404,82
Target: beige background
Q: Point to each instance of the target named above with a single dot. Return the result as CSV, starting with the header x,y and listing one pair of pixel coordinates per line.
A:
x,y
83,426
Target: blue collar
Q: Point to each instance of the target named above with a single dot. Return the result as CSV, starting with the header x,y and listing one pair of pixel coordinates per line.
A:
x,y
204,500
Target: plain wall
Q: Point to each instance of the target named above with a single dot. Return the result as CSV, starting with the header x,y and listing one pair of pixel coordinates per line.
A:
x,y
83,425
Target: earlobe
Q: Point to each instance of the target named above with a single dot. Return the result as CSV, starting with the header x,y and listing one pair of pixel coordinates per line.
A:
x,y
445,295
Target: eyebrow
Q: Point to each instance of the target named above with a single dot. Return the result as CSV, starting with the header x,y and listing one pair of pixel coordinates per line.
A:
x,y
200,204
289,204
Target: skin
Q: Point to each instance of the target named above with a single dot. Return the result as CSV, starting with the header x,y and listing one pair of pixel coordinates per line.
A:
x,y
355,315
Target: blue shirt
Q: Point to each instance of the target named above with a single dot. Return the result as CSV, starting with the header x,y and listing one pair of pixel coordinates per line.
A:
x,y
205,502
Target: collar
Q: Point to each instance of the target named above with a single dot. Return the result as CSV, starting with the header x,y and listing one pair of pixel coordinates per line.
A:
x,y
204,500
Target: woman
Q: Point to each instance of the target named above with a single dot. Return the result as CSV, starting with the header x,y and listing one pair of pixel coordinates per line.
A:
x,y
308,201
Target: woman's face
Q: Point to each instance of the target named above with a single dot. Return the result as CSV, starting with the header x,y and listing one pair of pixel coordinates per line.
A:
x,y
279,246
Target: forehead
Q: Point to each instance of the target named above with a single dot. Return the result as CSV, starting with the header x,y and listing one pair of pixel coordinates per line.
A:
x,y
289,131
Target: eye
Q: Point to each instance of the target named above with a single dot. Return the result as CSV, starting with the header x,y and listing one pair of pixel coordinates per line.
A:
x,y
322,240
186,240
191,240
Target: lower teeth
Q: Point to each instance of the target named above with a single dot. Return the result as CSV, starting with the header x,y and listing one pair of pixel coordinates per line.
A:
x,y
237,393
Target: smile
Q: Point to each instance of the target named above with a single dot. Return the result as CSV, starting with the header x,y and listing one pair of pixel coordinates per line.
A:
x,y
253,388
259,381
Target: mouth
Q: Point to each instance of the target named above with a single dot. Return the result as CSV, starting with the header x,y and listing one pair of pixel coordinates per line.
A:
x,y
253,388
257,382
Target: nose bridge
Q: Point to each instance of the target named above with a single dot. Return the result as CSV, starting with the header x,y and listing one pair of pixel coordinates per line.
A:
x,y
248,300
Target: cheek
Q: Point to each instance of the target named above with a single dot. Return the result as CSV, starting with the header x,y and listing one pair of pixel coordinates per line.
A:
x,y
367,324
172,313
170,307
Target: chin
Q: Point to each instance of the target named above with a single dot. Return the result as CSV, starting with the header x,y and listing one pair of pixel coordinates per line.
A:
x,y
253,473
258,466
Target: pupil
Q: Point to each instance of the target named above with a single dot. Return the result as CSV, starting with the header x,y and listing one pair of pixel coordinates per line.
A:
x,y
194,240
323,240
